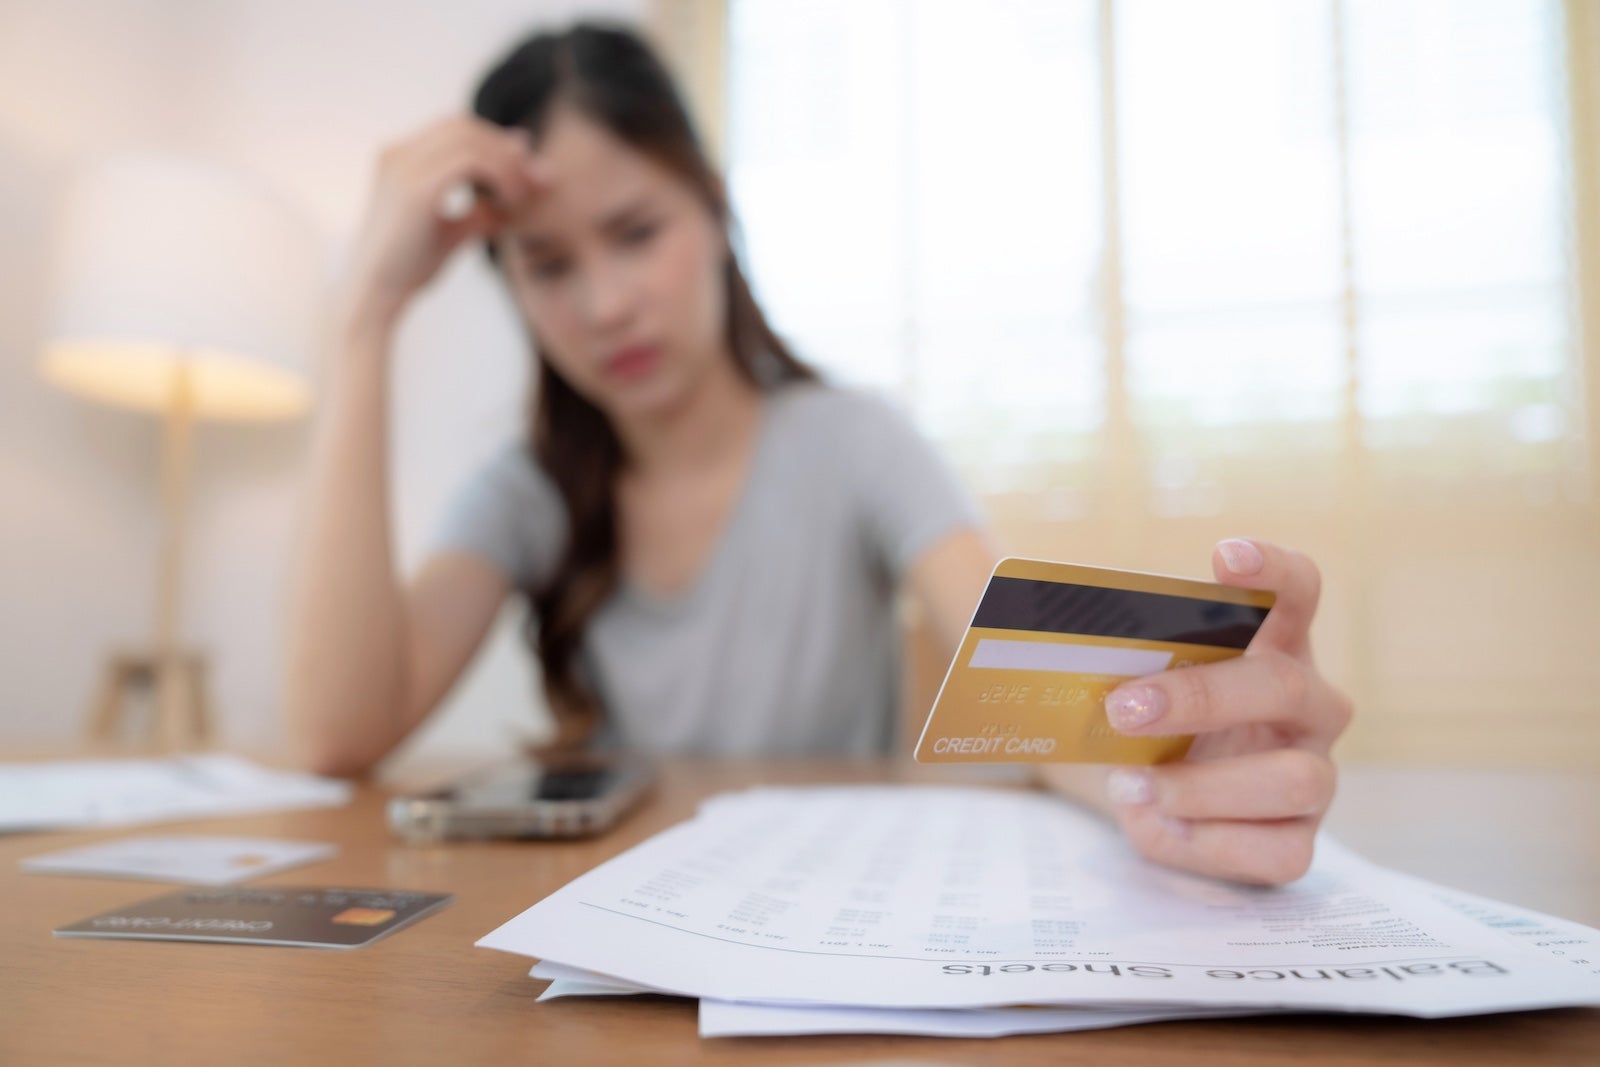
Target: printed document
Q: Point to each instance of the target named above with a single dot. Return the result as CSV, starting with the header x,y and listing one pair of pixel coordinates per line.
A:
x,y
77,793
945,897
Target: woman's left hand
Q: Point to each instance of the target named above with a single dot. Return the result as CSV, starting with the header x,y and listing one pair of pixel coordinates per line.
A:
x,y
1246,803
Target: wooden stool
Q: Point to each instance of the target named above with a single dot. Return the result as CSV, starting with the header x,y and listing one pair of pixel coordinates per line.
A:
x,y
174,690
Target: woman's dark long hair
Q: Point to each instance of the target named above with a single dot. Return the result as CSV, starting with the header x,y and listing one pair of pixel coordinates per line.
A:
x,y
609,75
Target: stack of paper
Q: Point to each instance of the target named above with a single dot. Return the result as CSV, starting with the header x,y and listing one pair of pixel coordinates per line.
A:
x,y
977,911
78,793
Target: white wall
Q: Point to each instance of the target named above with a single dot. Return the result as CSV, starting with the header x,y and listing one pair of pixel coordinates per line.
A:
x,y
305,94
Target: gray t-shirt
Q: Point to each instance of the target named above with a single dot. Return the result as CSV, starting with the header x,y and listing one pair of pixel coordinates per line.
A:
x,y
786,642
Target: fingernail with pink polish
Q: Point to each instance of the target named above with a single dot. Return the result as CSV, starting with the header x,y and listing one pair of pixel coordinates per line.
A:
x,y
1130,785
1135,706
1240,556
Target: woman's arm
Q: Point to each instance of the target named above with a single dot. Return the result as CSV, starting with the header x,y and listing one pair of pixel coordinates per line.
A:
x,y
369,657
945,582
948,578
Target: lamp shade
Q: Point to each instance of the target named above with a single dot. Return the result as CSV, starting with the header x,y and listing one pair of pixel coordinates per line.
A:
x,y
165,263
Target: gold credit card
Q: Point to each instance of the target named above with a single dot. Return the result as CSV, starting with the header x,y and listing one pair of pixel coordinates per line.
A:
x,y
1050,640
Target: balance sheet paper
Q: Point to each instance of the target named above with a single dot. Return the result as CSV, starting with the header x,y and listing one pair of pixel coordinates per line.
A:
x,y
935,897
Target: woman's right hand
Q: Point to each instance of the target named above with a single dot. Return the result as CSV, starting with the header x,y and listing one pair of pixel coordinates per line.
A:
x,y
404,238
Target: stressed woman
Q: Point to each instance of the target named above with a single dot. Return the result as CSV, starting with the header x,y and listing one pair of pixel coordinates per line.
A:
x,y
710,539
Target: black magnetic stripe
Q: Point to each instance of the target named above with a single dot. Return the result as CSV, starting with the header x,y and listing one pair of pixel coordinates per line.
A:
x,y
1055,607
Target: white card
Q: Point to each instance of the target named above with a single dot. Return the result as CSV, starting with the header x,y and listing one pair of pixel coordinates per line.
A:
x,y
189,859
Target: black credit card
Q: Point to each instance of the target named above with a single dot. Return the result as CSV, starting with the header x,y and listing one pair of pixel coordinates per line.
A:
x,y
275,915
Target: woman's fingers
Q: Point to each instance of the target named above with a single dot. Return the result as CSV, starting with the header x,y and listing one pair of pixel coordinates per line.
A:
x,y
1254,852
1272,683
499,165
1284,783
1251,816
1260,687
1289,574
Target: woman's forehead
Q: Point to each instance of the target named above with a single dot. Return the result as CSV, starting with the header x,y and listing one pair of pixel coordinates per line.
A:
x,y
593,175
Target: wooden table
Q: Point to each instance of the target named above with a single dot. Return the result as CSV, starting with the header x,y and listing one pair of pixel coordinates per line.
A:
x,y
426,995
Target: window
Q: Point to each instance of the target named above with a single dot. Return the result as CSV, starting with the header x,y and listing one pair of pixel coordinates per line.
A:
x,y
1221,253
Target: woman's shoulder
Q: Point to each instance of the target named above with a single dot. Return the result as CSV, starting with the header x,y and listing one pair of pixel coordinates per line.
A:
x,y
510,487
511,469
860,436
837,411
508,511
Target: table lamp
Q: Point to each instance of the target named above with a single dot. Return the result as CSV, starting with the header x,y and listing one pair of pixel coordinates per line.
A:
x,y
185,290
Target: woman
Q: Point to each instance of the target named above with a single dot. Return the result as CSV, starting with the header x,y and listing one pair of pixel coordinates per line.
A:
x,y
709,539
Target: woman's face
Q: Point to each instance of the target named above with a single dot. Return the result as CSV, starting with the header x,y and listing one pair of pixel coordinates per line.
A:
x,y
618,268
